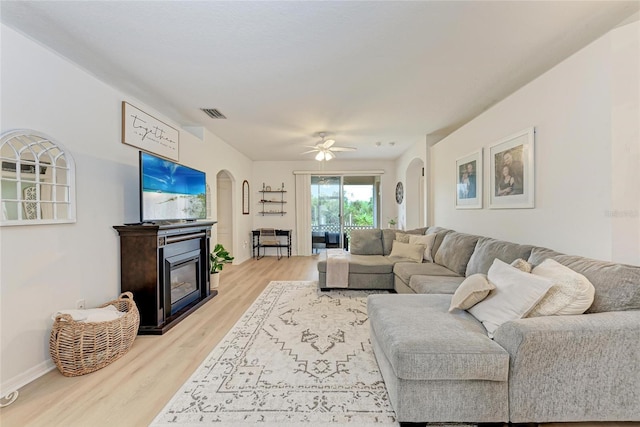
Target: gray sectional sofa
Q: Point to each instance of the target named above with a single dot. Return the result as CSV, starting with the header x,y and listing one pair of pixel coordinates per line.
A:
x,y
441,366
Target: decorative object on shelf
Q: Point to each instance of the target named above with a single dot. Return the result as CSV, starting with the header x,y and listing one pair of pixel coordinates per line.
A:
x,y
245,197
144,131
325,148
469,181
217,259
267,188
512,171
399,192
392,223
109,340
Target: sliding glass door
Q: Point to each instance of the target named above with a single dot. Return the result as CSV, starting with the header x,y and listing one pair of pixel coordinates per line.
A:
x,y
340,204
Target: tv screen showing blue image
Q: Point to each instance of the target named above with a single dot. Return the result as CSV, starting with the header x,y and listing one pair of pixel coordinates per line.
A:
x,y
170,191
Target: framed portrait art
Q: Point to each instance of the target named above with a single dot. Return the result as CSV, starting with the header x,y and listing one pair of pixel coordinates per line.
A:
x,y
512,171
469,181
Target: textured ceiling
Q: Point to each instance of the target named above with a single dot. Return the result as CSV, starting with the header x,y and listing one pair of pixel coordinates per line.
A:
x,y
364,72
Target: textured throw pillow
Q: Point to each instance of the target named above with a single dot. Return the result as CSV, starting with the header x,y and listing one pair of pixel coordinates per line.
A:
x,y
402,237
407,251
571,293
515,295
522,265
427,241
471,291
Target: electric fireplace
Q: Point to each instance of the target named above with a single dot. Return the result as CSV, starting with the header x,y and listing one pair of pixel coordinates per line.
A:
x,y
166,267
181,274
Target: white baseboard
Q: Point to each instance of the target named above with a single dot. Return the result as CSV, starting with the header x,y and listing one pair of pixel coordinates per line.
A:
x,y
26,377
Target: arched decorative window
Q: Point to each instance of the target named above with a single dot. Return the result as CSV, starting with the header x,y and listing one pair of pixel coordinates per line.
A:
x,y
38,180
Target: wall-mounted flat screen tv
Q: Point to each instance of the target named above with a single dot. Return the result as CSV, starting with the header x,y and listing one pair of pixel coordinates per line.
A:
x,y
170,191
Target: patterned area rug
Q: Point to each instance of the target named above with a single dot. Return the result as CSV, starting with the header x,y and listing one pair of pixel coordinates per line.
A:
x,y
298,356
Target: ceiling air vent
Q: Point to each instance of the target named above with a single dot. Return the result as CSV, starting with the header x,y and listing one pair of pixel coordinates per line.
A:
x,y
214,113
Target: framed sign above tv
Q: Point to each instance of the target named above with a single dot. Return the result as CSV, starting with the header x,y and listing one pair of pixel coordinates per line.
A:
x,y
143,131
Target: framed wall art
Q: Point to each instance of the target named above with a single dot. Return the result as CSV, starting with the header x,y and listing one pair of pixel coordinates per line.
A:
x,y
141,130
512,171
469,181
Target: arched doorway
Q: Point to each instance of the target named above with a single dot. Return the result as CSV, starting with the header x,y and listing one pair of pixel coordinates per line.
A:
x,y
415,195
224,209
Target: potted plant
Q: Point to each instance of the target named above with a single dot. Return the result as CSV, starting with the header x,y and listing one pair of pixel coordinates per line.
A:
x,y
217,259
392,223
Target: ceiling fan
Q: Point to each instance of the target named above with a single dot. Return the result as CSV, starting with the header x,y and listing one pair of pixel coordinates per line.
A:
x,y
325,148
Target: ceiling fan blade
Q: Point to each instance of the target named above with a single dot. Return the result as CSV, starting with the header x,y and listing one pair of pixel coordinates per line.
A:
x,y
343,149
328,143
315,147
310,151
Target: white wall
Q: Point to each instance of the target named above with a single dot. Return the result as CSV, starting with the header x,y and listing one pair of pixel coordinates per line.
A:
x,y
408,160
578,155
274,174
625,159
49,267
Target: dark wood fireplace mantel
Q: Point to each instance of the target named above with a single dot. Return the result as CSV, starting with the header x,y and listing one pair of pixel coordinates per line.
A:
x,y
144,270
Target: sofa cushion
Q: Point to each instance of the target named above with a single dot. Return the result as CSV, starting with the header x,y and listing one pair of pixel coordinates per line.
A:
x,y
426,240
417,231
422,284
571,292
404,270
539,254
617,286
364,264
366,242
440,233
422,341
471,291
488,249
407,251
515,295
388,236
455,251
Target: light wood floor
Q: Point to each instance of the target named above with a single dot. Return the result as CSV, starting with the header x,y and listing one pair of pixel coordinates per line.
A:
x,y
132,390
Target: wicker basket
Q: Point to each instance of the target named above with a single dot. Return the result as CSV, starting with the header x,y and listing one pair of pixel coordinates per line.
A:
x,y
78,348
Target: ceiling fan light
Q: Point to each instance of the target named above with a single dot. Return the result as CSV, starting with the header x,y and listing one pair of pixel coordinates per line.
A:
x,y
320,156
329,155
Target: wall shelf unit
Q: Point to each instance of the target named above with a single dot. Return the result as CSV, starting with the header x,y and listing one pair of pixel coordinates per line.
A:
x,y
272,202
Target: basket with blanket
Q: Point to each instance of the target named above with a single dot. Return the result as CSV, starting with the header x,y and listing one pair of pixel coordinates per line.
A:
x,y
83,341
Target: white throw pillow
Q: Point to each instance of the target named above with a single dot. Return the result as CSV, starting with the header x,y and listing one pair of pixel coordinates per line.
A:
x,y
471,291
571,293
426,240
515,295
407,251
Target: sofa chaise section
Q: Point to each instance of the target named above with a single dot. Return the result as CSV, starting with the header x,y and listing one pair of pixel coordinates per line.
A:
x,y
370,266
437,367
365,272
